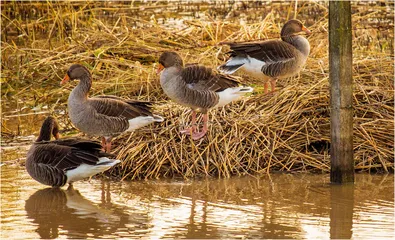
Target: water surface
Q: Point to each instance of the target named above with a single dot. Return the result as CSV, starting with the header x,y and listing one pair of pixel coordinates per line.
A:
x,y
279,206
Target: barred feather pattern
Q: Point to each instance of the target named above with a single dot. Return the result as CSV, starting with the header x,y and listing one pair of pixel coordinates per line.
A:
x,y
185,95
48,161
280,58
276,58
195,86
204,78
103,115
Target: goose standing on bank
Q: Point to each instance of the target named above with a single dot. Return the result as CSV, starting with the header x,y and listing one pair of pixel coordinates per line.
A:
x,y
197,87
62,161
271,59
105,116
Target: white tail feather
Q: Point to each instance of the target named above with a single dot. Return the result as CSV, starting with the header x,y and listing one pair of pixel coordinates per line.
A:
x,y
158,118
246,89
143,121
86,170
232,94
232,65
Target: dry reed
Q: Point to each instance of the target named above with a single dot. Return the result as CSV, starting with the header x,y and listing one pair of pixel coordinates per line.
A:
x,y
286,131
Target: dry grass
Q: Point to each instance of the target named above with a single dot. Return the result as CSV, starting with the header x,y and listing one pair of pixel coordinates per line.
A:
x,y
286,131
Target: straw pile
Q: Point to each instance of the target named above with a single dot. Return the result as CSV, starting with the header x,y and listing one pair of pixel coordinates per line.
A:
x,y
286,131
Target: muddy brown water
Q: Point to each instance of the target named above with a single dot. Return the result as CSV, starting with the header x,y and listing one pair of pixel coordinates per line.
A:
x,y
275,206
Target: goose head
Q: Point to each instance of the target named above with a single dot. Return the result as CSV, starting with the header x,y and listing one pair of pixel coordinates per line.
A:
x,y
76,71
49,126
293,27
169,59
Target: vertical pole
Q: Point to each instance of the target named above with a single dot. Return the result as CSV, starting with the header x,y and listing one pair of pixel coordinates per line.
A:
x,y
340,77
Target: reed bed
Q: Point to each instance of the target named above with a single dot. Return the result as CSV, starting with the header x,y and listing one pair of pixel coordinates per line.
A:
x,y
120,43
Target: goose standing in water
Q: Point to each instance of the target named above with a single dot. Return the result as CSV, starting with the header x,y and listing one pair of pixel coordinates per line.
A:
x,y
197,87
62,161
271,59
105,116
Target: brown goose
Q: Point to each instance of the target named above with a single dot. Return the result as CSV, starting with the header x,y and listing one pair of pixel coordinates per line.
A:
x,y
272,59
105,116
197,87
62,161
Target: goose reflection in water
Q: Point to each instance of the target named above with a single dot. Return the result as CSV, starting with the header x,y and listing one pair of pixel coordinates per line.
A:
x,y
55,209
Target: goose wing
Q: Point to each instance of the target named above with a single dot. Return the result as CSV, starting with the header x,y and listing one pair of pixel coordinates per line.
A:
x,y
53,159
117,107
201,78
65,154
276,54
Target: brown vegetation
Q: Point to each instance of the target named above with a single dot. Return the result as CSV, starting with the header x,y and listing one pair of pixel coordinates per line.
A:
x,y
286,131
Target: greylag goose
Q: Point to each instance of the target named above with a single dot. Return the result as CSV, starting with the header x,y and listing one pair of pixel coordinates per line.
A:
x,y
62,161
271,59
105,116
197,87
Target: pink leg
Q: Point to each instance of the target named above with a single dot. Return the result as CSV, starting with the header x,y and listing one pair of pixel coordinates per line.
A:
x,y
198,135
265,88
103,143
273,84
108,146
192,129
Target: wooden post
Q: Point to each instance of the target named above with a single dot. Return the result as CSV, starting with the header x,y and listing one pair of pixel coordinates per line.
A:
x,y
340,77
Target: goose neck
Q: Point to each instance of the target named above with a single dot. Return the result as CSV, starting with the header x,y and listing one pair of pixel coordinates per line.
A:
x,y
50,126
83,88
299,42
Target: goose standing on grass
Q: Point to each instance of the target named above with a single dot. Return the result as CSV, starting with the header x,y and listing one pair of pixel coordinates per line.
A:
x,y
62,161
197,87
105,116
271,59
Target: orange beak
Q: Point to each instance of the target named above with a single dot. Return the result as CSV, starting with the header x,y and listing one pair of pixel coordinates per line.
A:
x,y
65,79
160,68
307,31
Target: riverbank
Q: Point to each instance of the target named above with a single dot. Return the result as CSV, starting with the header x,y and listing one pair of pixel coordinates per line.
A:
x,y
286,131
